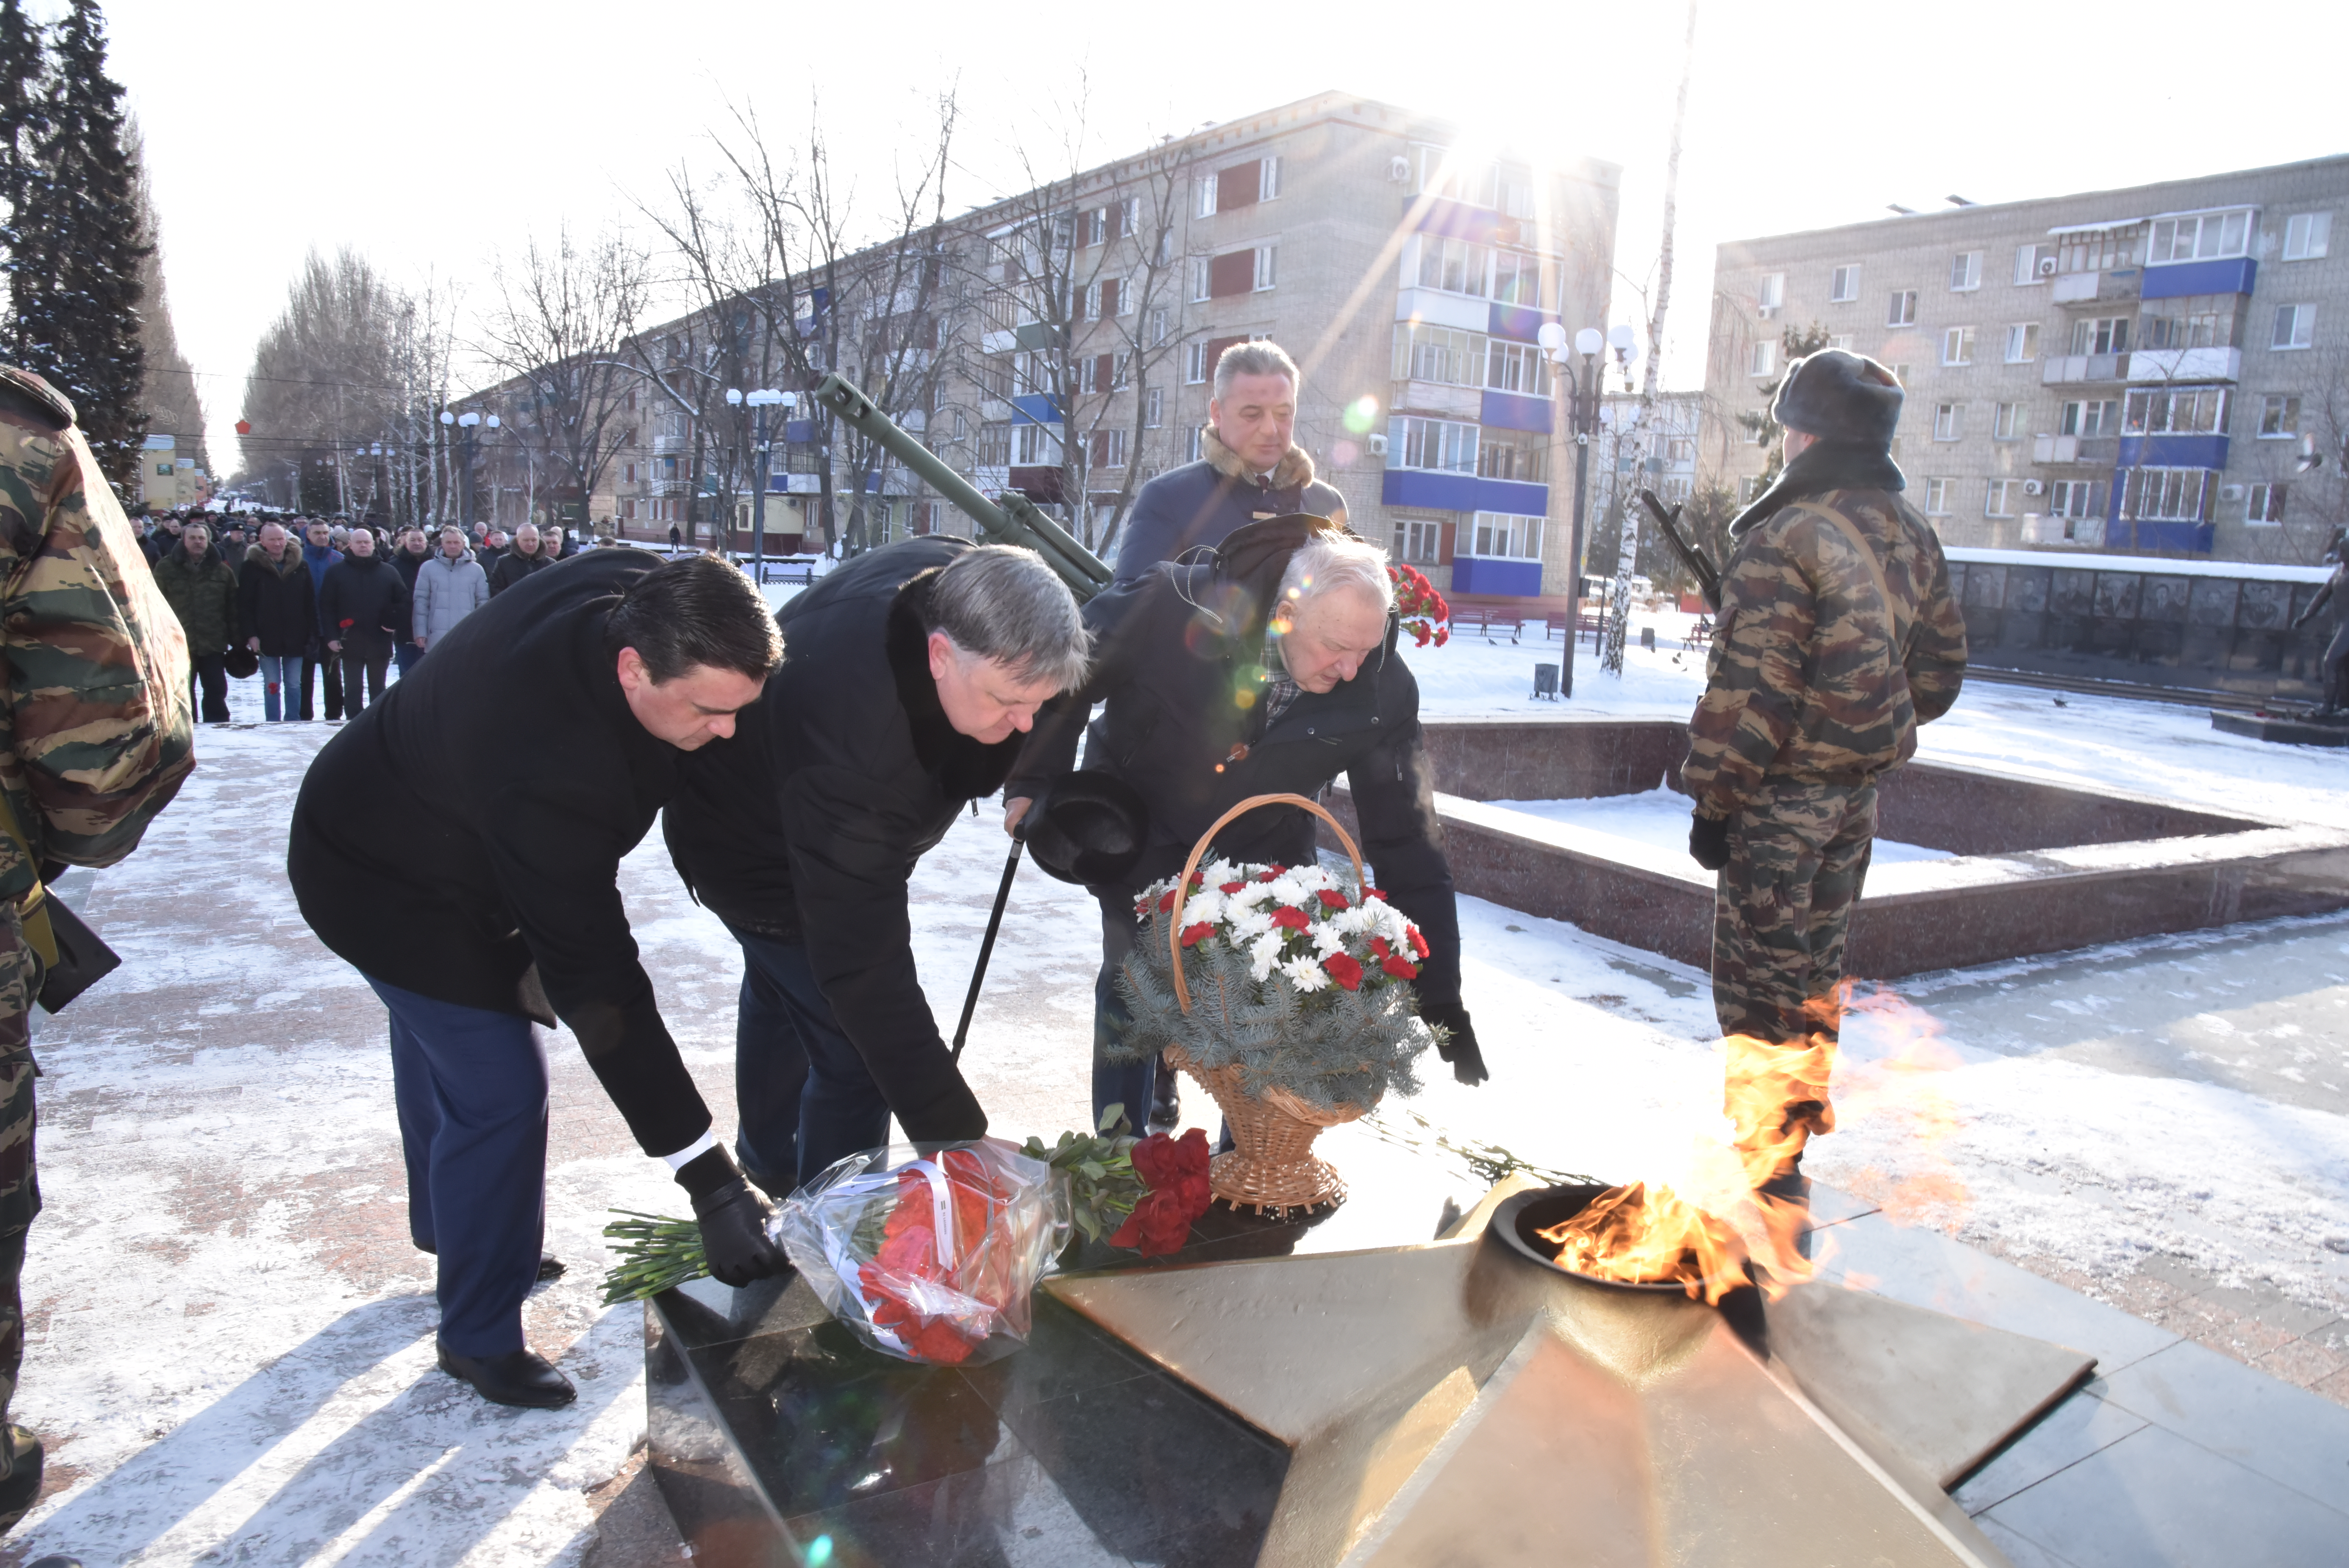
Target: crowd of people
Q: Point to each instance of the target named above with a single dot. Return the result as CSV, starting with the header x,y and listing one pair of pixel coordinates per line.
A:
x,y
322,604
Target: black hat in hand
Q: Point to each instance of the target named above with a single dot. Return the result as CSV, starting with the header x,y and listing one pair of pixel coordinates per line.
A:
x,y
1087,827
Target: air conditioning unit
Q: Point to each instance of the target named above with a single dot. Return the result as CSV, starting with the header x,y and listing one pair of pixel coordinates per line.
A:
x,y
1378,445
2231,492
1767,312
2031,487
1399,169
2046,266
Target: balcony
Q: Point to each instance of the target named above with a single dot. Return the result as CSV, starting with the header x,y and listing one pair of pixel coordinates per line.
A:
x,y
664,446
1439,398
2185,364
2063,370
2096,288
2221,275
2097,451
2076,532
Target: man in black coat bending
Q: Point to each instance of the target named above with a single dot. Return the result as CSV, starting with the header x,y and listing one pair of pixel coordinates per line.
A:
x,y
914,671
1213,697
609,676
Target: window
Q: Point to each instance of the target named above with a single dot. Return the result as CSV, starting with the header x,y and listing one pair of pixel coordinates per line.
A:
x,y
1445,354
993,445
1679,449
1904,309
2306,235
1999,500
1206,205
1772,292
1418,539
2295,326
1202,278
1267,263
1154,408
1092,229
2278,418
2101,334
1036,445
1508,455
2194,321
1949,421
1503,536
1234,272
1937,496
1440,444
1193,441
1267,180
1958,345
1194,364
1516,368
2264,507
995,376
1965,271
1843,285
1842,340
2176,411
2097,416
2200,237
2033,264
2006,422
1748,489
2023,342
1109,448
1455,266
1900,373
631,468
1523,280
1157,327
2167,495
1762,359
2098,250
2072,498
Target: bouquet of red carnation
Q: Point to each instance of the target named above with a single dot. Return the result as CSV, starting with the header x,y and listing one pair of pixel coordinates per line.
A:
x,y
1423,609
931,1258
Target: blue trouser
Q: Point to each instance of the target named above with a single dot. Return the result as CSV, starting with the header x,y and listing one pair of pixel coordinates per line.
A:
x,y
1129,1084
471,1086
405,653
278,673
801,1088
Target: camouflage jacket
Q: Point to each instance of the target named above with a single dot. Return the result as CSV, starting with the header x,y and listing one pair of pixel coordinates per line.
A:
x,y
97,732
1813,677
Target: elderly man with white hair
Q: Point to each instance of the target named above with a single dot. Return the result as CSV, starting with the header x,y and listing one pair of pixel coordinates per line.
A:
x,y
1269,668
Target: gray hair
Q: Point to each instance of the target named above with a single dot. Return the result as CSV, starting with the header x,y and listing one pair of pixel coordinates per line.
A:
x,y
1263,357
1329,561
1000,601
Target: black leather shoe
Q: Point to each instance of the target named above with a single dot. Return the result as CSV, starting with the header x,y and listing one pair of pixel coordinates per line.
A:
x,y
551,1267
59,1561
21,1487
522,1378
1165,1101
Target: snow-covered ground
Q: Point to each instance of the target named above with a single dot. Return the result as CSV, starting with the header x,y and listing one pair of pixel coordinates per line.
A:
x,y
1658,819
230,1341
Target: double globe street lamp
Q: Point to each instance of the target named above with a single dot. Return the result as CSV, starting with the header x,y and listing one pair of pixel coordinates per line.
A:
x,y
759,402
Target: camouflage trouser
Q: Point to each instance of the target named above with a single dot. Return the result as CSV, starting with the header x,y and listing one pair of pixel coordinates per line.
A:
x,y
20,1188
1797,855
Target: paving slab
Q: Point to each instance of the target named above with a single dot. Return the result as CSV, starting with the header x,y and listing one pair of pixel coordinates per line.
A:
x,y
2286,1434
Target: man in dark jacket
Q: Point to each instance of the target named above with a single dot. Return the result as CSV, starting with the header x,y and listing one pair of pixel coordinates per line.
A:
x,y
1212,699
203,591
497,903
320,553
519,562
365,611
413,551
1252,470
912,672
279,614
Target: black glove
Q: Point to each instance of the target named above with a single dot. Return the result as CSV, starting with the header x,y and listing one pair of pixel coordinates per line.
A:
x,y
1456,1042
733,1220
1709,841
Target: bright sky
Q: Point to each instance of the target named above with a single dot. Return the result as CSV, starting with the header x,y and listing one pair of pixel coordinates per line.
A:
x,y
435,134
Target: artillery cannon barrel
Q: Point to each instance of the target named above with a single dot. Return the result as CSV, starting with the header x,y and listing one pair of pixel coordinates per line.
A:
x,y
1014,521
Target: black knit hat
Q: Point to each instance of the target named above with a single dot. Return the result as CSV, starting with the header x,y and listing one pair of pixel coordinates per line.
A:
x,y
1838,395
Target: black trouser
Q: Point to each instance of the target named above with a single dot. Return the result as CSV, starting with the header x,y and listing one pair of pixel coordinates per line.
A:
x,y
324,662
362,664
210,679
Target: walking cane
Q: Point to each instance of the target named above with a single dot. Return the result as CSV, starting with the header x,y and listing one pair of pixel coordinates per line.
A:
x,y
986,947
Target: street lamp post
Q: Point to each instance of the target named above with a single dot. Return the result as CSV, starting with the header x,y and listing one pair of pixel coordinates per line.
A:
x,y
1582,419
761,400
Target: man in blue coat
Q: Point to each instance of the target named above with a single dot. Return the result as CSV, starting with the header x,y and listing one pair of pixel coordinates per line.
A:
x,y
320,556
1252,467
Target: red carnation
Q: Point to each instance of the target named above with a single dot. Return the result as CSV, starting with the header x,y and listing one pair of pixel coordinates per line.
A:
x,y
1331,897
1232,887
1379,948
1344,970
1373,892
1167,902
1400,968
1193,933
1418,943
1290,916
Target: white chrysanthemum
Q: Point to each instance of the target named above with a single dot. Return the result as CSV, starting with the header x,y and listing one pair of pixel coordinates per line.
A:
x,y
1306,973
1327,938
1289,890
1248,925
1354,921
1263,953
1204,908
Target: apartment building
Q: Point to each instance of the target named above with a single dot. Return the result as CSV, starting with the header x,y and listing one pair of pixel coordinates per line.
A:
x,y
2161,370
1061,343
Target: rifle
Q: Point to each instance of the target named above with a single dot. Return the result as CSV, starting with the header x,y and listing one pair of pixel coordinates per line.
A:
x,y
1011,519
1707,576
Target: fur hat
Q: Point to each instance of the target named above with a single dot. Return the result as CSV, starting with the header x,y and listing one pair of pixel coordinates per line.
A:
x,y
1838,395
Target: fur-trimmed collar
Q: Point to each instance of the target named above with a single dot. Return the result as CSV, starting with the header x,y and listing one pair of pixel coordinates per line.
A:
x,y
1821,466
1294,472
285,565
967,769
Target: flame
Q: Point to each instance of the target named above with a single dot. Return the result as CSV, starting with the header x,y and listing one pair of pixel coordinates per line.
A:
x,y
1716,1224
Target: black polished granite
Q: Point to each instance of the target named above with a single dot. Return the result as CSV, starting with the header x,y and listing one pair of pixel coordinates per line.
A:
x,y
778,1438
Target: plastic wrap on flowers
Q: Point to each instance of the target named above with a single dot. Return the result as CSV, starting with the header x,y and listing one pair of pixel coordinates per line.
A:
x,y
930,1258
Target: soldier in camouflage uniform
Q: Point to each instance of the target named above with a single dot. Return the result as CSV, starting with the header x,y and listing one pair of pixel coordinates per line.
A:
x,y
96,736
1837,637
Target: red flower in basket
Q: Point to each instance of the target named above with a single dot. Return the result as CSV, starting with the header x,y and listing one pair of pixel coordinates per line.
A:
x,y
1345,971
1290,916
1177,1170
1332,899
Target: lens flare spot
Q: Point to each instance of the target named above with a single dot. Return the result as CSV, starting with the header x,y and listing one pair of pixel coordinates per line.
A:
x,y
1361,414
819,1552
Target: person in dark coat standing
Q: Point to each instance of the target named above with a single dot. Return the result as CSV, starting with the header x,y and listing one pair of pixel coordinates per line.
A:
x,y
279,614
365,611
413,549
1208,706
525,558
912,672
319,555
497,903
1252,467
201,591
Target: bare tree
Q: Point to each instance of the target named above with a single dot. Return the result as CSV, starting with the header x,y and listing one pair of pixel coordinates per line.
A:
x,y
326,384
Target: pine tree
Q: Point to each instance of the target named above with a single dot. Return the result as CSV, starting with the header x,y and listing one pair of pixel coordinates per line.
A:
x,y
22,108
77,246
